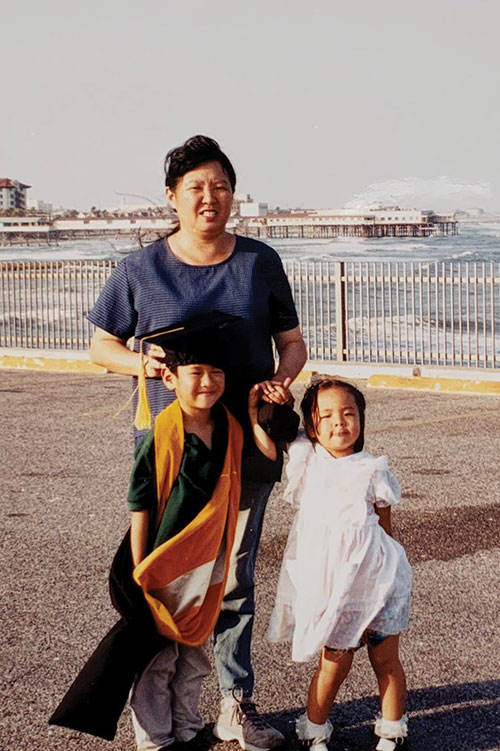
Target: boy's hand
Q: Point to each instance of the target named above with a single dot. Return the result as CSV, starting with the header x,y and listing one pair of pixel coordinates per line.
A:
x,y
275,391
262,440
254,397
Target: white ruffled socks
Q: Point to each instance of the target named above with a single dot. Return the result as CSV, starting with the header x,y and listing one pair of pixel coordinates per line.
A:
x,y
312,735
392,733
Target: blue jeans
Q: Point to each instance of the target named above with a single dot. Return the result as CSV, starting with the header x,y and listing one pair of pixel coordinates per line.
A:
x,y
233,632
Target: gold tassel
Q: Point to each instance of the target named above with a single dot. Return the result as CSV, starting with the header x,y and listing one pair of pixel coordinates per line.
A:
x,y
143,413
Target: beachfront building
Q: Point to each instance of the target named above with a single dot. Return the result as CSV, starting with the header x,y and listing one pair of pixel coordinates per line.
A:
x,y
88,225
381,222
12,194
253,208
40,207
245,206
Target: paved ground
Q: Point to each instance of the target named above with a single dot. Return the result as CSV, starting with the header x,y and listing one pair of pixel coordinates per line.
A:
x,y
65,464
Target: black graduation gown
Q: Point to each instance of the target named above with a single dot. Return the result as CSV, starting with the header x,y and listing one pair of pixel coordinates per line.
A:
x,y
95,700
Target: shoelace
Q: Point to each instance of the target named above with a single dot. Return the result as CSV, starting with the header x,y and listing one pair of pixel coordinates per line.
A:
x,y
246,710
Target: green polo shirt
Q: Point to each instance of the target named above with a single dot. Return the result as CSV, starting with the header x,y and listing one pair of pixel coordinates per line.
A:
x,y
194,486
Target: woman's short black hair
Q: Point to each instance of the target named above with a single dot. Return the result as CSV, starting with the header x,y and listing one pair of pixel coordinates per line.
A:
x,y
195,151
309,405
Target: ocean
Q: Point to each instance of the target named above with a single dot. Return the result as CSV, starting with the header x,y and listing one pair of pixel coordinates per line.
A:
x,y
477,243
407,300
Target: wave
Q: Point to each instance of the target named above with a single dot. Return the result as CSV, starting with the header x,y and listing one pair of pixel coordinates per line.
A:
x,y
433,192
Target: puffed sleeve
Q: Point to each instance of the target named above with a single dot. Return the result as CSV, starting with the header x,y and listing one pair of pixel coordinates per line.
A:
x,y
384,489
300,452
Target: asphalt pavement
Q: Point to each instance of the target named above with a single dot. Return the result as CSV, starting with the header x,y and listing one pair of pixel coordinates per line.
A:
x,y
66,458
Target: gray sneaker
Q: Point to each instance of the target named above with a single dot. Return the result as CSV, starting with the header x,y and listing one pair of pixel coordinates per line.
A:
x,y
240,721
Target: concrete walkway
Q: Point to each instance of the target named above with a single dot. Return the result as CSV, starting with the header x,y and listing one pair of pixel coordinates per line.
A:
x,y
65,466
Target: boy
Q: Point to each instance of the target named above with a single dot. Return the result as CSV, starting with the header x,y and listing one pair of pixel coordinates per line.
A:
x,y
183,498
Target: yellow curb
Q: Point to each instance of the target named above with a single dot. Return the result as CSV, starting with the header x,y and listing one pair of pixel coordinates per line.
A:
x,y
52,364
304,376
421,383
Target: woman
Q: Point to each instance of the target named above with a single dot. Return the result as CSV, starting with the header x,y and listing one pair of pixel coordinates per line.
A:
x,y
199,268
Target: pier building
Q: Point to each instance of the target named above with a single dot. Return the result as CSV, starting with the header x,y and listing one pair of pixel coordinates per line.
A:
x,y
90,226
331,223
27,230
24,230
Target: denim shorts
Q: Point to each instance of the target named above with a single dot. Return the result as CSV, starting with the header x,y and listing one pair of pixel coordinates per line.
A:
x,y
371,637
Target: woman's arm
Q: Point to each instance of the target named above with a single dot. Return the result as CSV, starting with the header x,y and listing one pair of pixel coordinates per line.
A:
x,y
292,356
139,535
263,442
112,353
384,518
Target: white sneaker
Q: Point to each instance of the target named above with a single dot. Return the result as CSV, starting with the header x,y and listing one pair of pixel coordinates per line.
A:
x,y
240,721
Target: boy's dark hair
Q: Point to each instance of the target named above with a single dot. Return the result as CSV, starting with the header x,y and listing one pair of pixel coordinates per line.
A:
x,y
191,154
309,406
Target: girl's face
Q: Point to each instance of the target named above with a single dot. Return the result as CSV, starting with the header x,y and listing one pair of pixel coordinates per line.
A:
x,y
336,421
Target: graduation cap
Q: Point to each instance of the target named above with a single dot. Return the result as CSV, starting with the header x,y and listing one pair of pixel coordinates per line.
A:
x,y
198,339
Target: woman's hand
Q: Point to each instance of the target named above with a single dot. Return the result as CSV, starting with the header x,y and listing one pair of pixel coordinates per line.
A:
x,y
154,362
275,391
112,353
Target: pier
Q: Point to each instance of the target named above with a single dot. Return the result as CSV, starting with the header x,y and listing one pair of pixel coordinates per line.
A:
x,y
327,231
326,224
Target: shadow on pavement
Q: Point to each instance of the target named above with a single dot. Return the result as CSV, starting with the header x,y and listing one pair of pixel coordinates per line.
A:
x,y
464,717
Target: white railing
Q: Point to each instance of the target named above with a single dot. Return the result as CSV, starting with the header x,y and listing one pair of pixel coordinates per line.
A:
x,y
441,314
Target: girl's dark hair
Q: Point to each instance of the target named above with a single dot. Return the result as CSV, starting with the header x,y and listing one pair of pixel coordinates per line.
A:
x,y
309,406
195,151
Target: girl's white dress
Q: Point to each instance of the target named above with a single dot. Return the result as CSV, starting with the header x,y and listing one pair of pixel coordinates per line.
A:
x,y
341,572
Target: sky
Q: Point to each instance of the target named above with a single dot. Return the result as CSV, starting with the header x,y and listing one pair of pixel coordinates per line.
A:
x,y
318,104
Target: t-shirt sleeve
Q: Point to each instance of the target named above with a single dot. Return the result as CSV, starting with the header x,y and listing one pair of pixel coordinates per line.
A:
x,y
114,310
384,489
142,494
282,313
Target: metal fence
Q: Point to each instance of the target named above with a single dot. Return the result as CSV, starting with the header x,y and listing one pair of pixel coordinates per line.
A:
x,y
43,303
440,314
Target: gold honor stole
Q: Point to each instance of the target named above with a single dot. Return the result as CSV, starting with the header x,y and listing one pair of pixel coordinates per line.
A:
x,y
184,578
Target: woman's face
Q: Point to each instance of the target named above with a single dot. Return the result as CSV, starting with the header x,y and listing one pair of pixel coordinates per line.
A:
x,y
202,199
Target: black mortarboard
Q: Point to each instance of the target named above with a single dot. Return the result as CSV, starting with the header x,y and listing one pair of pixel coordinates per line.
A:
x,y
198,339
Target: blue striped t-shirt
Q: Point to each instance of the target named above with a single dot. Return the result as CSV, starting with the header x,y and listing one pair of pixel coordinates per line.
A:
x,y
152,288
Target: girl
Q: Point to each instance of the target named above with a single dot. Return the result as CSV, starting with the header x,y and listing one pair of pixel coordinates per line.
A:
x,y
344,581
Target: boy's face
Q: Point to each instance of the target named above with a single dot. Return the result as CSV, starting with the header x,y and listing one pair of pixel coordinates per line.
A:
x,y
197,387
